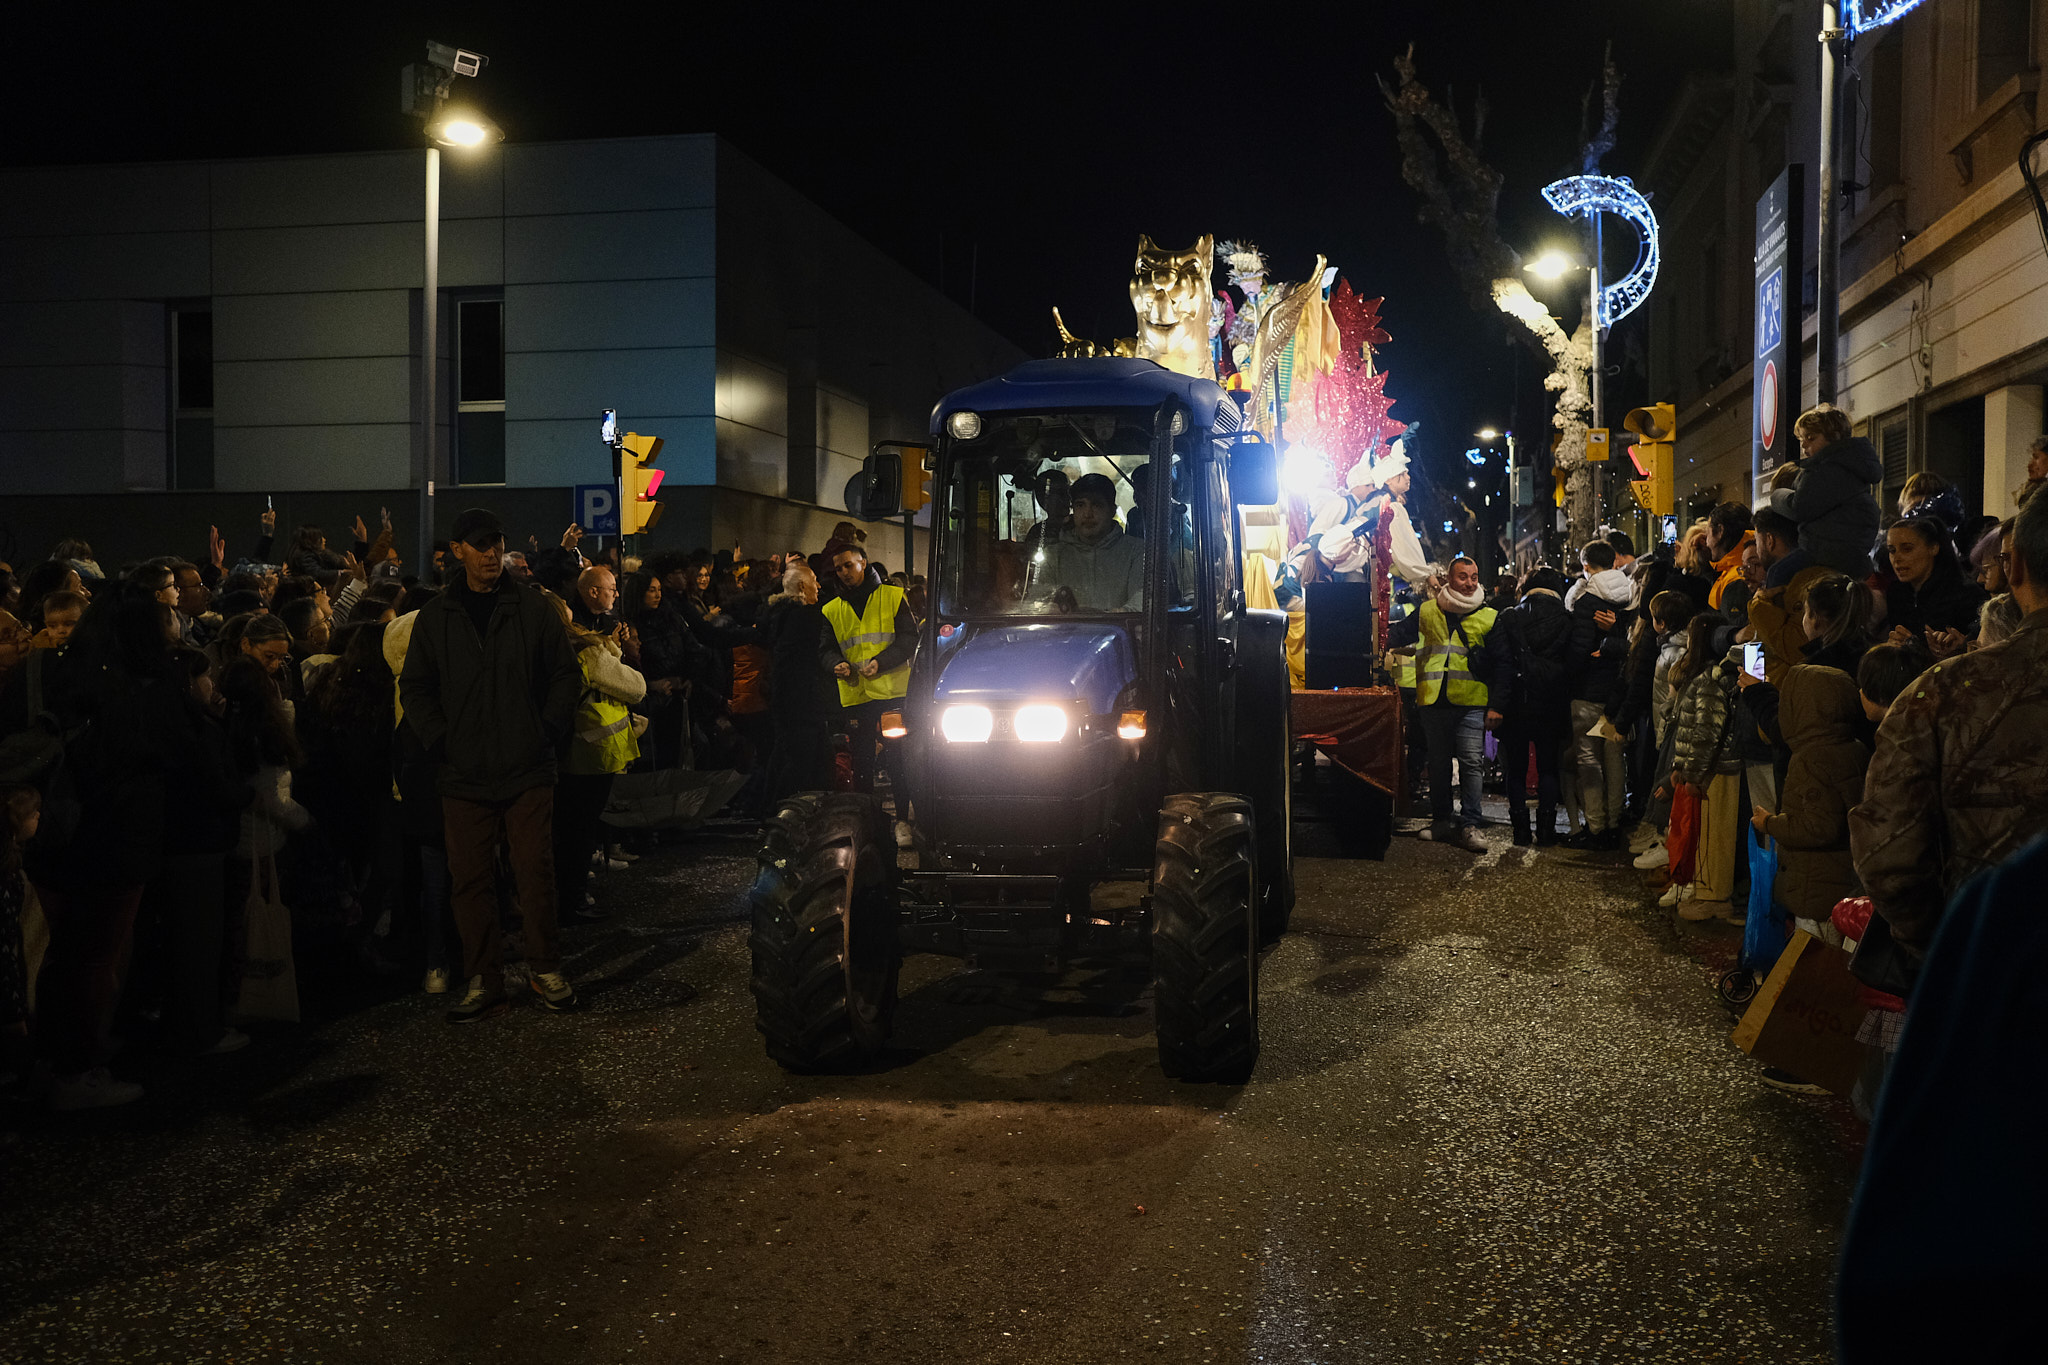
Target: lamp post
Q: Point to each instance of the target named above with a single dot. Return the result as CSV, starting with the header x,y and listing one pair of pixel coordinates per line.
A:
x,y
424,88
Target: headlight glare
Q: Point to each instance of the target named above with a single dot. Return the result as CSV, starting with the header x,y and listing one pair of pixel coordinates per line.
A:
x,y
965,426
967,724
1042,724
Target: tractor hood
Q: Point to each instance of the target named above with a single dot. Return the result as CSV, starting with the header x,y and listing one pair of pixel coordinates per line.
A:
x,y
1044,662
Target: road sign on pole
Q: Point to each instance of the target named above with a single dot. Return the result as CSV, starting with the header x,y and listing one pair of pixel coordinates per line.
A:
x,y
596,508
1774,368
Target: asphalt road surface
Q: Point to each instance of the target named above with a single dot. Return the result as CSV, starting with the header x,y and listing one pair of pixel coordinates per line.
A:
x,y
1497,1117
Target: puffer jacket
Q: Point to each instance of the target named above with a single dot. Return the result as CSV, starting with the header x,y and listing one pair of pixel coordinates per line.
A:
x,y
1833,504
1664,696
1959,782
1705,725
1530,671
1817,712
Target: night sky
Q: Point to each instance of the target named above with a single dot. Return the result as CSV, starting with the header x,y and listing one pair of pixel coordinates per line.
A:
x,y
1012,161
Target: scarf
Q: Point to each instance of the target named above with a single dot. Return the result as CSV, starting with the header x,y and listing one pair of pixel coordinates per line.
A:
x,y
1451,604
1728,569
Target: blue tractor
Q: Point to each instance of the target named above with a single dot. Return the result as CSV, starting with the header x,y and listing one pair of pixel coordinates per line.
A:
x,y
1095,735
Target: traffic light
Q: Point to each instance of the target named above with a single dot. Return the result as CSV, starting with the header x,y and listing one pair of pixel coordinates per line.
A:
x,y
917,478
639,480
1657,425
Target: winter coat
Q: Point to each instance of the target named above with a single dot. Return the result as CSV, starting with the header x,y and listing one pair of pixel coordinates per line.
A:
x,y
117,766
1846,655
610,685
1705,727
1959,781
1531,674
1946,601
1664,696
1777,615
491,708
1943,1256
666,645
1832,502
1817,712
1945,507
802,690
1596,655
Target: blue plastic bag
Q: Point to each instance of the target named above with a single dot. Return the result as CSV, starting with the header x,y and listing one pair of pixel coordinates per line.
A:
x,y
1767,932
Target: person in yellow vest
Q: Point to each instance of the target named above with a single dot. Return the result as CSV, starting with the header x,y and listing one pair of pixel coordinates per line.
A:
x,y
601,744
1448,634
867,644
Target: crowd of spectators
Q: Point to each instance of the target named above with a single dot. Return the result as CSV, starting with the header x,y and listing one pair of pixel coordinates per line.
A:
x,y
1857,689
400,771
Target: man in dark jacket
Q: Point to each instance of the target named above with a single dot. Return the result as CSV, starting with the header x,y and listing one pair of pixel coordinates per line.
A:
x,y
1597,649
802,699
490,687
1531,699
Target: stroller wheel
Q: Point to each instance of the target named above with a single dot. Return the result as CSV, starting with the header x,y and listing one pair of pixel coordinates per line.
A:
x,y
1737,987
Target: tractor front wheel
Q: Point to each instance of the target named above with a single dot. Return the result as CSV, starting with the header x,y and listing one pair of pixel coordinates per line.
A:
x,y
1205,938
825,955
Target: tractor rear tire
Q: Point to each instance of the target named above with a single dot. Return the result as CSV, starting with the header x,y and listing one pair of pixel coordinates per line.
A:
x,y
825,954
1205,938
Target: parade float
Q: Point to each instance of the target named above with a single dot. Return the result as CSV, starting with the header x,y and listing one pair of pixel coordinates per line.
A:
x,y
1301,360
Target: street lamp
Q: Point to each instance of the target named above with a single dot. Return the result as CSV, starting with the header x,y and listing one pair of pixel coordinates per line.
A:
x,y
1487,434
1552,265
423,92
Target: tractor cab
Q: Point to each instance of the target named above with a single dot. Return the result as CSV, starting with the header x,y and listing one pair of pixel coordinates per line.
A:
x,y
1091,703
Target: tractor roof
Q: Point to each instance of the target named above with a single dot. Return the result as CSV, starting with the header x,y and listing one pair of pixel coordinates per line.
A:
x,y
1106,382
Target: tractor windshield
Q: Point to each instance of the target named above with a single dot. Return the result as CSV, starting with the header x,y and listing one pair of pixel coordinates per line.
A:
x,y
1044,514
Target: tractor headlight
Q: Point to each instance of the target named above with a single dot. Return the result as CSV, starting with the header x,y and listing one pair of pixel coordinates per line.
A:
x,y
965,426
1042,724
967,724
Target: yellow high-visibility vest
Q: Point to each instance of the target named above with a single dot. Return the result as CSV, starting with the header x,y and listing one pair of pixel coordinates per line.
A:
x,y
1444,663
864,637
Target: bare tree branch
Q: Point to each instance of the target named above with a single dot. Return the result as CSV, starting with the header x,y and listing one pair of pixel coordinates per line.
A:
x,y
1460,197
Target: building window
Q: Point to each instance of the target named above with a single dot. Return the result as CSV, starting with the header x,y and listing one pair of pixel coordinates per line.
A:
x,y
1892,450
2003,48
191,398
480,391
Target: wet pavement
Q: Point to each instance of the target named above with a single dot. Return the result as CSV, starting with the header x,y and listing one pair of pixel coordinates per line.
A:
x,y
1497,1118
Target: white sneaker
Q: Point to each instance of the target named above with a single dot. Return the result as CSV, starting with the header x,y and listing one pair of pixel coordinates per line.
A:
x,y
904,837
436,981
614,865
1674,893
1657,856
618,854
1643,836
231,1040
93,1089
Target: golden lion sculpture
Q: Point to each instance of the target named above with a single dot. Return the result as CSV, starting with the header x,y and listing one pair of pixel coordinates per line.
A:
x,y
1171,295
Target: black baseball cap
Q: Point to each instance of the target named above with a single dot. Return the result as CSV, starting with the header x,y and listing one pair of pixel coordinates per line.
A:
x,y
477,526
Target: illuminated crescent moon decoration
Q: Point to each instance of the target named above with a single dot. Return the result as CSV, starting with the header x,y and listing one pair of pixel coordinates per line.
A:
x,y
1861,16
1591,194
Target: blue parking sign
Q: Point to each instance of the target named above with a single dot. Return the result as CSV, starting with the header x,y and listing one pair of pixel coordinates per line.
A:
x,y
1770,312
596,508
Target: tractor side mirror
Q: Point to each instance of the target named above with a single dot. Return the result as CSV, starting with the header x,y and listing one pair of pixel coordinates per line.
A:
x,y
877,491
1254,472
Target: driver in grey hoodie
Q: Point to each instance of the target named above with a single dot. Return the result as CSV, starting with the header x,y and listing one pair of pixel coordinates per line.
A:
x,y
1093,557
1597,648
